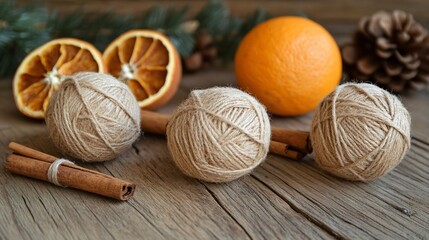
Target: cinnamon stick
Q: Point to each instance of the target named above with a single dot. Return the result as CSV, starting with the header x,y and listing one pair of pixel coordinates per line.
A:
x,y
154,122
32,163
282,149
31,153
297,140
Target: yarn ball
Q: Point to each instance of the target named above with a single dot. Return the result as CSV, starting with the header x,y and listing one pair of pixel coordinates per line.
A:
x,y
360,132
219,134
93,117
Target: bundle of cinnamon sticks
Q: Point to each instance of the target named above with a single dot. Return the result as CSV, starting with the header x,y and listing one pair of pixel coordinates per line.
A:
x,y
32,163
288,143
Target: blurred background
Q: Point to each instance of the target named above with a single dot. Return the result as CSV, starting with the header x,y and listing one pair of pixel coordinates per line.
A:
x,y
338,16
205,32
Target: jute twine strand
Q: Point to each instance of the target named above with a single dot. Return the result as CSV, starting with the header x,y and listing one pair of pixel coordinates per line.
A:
x,y
219,134
53,171
360,132
93,117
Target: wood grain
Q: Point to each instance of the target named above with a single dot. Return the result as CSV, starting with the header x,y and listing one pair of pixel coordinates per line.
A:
x,y
281,199
166,204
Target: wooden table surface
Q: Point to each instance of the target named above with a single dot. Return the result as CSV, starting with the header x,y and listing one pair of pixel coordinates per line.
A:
x,y
280,199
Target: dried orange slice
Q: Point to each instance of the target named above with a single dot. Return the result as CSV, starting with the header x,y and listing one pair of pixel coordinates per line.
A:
x,y
42,71
148,62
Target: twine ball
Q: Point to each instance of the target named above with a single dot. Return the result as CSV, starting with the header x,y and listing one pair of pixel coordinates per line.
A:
x,y
93,117
219,134
360,132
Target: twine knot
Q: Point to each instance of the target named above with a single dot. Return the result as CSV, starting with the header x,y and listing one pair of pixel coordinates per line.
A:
x,y
53,171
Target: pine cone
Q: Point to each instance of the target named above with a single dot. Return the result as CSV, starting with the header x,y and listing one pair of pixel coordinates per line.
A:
x,y
194,62
390,50
205,53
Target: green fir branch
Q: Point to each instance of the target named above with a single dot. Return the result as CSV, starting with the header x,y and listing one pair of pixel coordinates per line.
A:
x,y
228,44
25,27
21,30
97,28
214,18
169,21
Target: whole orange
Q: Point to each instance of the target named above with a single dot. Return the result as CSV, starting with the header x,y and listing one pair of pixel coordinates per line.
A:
x,y
289,63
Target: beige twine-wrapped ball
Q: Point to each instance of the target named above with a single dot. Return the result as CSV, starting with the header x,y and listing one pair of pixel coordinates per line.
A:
x,y
93,117
360,132
219,134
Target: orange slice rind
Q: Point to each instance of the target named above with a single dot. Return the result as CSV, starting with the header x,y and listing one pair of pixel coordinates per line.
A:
x,y
43,70
148,62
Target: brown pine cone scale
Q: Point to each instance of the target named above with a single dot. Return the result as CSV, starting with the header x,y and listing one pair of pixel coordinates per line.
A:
x,y
389,49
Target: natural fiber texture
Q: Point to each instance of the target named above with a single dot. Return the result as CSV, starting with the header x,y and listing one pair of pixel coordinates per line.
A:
x,y
93,117
360,132
53,171
219,134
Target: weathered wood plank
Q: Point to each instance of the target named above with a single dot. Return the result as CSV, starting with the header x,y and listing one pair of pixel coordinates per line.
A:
x,y
395,206
161,209
166,204
262,213
281,199
417,104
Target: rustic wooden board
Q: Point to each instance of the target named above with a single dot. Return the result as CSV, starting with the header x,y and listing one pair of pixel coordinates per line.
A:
x,y
280,199
166,204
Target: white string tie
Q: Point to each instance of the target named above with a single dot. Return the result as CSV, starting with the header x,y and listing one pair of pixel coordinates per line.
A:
x,y
53,170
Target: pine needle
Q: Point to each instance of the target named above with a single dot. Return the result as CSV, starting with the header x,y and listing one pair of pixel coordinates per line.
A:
x,y
25,27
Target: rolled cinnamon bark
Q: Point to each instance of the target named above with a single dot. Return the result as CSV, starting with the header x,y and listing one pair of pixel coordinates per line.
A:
x,y
283,150
154,122
297,140
31,163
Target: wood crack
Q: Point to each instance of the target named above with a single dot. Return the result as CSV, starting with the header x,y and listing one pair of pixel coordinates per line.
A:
x,y
28,208
31,213
354,225
14,218
60,214
147,220
50,215
136,149
108,170
156,173
101,223
414,138
226,211
403,210
316,222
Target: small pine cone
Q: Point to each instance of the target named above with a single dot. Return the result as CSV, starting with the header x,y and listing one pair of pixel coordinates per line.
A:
x,y
194,62
391,50
209,54
203,40
205,53
204,44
